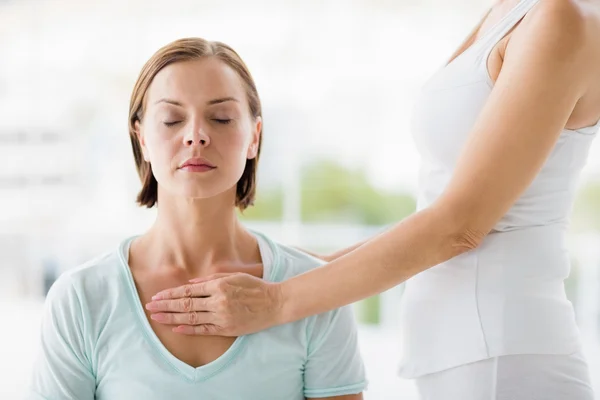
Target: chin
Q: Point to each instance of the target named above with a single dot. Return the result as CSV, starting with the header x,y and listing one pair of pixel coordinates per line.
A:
x,y
194,192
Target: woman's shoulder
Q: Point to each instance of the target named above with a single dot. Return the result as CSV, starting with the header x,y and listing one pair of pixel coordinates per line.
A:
x,y
90,280
105,265
288,261
299,260
559,30
567,20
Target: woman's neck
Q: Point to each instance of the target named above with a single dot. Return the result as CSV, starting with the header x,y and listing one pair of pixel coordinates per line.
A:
x,y
194,236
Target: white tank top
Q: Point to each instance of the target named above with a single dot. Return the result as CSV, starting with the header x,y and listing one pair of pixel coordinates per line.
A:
x,y
507,296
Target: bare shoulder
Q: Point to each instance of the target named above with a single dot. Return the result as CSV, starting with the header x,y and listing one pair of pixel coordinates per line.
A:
x,y
564,31
572,23
562,22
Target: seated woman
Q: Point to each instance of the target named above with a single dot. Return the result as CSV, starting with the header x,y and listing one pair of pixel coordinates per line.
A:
x,y
195,125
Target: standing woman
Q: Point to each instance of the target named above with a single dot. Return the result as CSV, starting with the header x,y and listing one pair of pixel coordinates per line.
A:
x,y
504,130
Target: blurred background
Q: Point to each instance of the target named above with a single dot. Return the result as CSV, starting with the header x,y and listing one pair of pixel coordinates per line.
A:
x,y
337,79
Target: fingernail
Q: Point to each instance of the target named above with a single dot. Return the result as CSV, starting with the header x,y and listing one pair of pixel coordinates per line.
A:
x,y
156,297
151,306
158,317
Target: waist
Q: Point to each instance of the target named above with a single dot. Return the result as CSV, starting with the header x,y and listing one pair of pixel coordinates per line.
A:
x,y
533,260
533,238
505,297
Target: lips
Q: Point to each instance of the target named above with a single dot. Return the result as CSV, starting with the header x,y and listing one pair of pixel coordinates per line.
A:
x,y
197,165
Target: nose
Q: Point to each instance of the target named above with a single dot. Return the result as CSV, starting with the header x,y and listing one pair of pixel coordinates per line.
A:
x,y
196,137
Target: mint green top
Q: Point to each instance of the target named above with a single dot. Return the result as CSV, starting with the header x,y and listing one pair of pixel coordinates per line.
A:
x,y
97,343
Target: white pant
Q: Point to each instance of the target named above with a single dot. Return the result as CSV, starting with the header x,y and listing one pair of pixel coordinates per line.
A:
x,y
514,377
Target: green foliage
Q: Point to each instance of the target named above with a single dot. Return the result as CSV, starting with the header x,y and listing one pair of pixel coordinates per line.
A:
x,y
586,215
267,207
368,311
332,193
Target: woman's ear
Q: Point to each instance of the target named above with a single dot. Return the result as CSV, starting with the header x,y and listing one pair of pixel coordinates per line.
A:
x,y
141,140
253,148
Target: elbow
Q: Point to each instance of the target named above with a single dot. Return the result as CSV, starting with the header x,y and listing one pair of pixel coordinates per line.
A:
x,y
460,228
463,233
466,239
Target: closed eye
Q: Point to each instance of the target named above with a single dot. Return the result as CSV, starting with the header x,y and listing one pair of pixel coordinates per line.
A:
x,y
171,123
222,121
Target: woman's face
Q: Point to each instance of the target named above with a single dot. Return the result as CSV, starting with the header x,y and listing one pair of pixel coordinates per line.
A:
x,y
197,130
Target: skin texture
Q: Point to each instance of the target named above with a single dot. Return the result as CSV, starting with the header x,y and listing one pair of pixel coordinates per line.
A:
x,y
546,79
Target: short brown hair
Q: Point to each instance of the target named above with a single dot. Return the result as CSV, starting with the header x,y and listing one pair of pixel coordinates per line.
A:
x,y
189,49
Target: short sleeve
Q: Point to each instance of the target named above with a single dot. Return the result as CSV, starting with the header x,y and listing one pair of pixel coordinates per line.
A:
x,y
62,369
334,366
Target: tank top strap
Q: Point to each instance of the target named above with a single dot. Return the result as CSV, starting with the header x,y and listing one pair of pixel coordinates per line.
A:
x,y
504,25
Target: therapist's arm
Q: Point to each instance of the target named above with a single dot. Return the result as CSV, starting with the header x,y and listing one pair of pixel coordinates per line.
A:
x,y
546,72
335,255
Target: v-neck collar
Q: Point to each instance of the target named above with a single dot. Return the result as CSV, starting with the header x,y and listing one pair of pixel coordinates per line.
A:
x,y
271,259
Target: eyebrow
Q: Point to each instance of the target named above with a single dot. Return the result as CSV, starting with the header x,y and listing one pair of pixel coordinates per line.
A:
x,y
210,102
169,101
222,100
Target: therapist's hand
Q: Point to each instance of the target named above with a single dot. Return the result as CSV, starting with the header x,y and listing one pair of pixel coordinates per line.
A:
x,y
231,304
